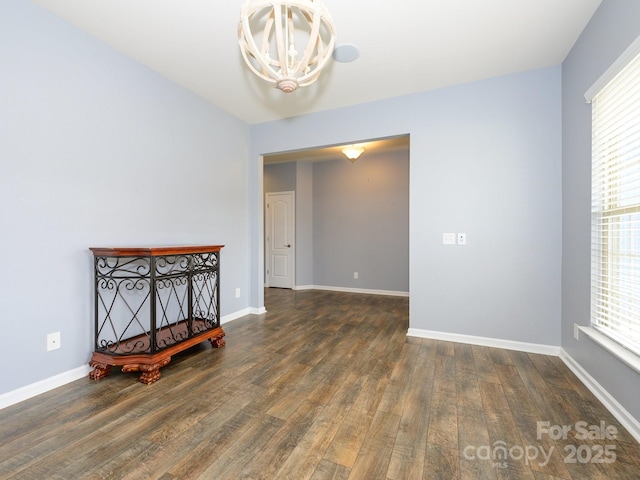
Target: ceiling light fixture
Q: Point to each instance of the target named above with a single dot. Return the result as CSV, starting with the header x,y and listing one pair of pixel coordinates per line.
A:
x,y
352,152
287,42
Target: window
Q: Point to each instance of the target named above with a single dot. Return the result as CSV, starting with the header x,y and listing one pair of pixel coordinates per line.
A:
x,y
615,201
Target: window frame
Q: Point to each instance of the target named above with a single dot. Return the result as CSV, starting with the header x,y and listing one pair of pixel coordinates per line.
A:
x,y
607,217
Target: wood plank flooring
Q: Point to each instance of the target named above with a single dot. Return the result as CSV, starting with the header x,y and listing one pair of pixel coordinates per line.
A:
x,y
326,385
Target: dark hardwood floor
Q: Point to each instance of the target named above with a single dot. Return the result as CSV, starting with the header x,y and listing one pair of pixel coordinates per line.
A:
x,y
325,385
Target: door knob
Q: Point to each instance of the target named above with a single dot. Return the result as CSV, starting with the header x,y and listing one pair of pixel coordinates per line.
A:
x,y
288,245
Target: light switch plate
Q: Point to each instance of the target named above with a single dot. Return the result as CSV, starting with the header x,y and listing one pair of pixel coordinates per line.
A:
x,y
448,238
462,239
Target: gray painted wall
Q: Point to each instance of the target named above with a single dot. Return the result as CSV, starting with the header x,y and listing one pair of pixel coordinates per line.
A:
x,y
612,29
97,150
485,160
361,222
280,177
304,224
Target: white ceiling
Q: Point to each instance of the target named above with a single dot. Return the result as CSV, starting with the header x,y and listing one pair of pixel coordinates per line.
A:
x,y
406,46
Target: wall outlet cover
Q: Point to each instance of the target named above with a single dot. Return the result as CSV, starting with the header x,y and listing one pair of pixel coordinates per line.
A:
x,y
53,341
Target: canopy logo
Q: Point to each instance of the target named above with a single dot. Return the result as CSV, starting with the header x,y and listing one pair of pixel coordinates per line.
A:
x,y
500,453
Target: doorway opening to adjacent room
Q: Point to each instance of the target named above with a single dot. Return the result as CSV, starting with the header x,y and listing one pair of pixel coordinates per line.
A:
x,y
350,218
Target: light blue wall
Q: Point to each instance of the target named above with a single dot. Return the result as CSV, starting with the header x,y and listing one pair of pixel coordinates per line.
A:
x,y
97,150
615,25
485,160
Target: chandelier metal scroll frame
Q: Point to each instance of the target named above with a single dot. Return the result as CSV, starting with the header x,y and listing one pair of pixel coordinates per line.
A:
x,y
280,19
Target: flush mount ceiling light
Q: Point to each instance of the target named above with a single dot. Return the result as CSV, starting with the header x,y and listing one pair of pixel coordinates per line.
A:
x,y
352,152
286,43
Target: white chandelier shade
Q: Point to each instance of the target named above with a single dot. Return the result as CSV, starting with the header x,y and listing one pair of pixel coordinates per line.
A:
x,y
286,42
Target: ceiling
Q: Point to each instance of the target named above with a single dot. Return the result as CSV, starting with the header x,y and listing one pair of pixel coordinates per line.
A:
x,y
405,46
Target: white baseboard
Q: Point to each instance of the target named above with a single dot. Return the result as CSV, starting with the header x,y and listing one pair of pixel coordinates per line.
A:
x,y
28,391
232,316
393,293
486,342
627,420
241,313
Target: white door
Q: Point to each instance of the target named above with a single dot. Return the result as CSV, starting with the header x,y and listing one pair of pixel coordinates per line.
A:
x,y
279,241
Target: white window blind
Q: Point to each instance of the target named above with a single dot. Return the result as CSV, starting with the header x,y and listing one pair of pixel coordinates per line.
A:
x,y
615,207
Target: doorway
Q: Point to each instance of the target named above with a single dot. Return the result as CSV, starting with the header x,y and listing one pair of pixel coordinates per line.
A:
x,y
340,208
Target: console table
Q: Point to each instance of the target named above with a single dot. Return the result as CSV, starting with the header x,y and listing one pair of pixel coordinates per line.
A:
x,y
151,303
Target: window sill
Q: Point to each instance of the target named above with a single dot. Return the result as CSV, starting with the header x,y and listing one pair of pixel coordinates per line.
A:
x,y
625,356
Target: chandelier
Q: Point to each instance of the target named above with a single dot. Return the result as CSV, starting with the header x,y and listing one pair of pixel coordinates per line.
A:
x,y
286,42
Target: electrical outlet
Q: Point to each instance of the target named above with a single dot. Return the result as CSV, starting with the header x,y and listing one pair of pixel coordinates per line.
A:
x,y
237,293
53,341
576,331
355,274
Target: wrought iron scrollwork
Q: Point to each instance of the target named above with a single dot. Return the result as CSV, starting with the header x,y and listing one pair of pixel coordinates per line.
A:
x,y
114,267
206,261
148,303
172,264
122,293
205,299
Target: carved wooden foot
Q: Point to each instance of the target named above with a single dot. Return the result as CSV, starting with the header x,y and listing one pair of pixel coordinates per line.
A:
x,y
150,376
150,372
218,341
99,370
